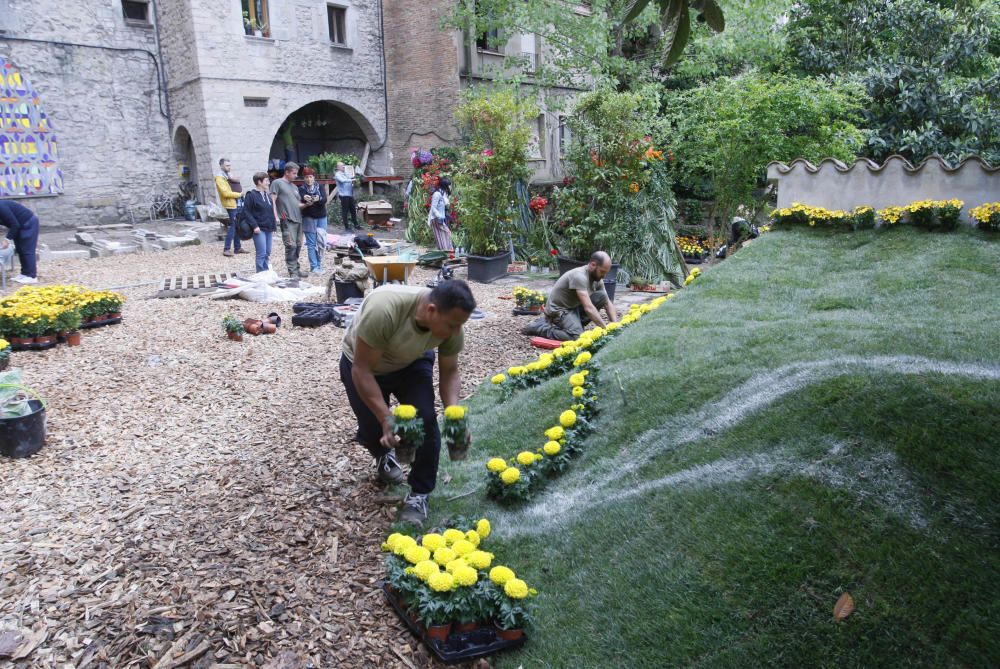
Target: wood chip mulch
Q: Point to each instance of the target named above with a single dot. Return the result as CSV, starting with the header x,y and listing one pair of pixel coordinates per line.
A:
x,y
200,502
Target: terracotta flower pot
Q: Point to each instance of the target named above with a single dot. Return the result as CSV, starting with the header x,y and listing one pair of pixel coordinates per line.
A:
x,y
273,318
438,632
115,314
458,452
235,336
253,326
21,341
45,339
73,339
268,327
462,628
506,634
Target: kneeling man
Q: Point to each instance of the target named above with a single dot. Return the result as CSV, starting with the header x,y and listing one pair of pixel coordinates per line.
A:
x,y
575,300
389,350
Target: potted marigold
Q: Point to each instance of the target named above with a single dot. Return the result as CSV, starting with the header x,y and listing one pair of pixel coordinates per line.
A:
x,y
510,599
4,354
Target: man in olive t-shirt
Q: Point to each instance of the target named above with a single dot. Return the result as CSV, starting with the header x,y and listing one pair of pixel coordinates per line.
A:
x,y
389,350
289,204
574,301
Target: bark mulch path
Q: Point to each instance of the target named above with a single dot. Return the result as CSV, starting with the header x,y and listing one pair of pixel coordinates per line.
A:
x,y
200,502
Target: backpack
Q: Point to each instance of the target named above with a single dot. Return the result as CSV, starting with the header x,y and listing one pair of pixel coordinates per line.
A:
x,y
244,228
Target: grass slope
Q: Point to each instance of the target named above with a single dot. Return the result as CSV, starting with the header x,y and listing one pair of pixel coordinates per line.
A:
x,y
819,414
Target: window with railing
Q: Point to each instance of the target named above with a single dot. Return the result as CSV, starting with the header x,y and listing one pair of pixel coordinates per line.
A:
x,y
256,19
336,18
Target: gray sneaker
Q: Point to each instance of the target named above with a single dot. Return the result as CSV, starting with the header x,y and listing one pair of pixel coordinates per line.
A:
x,y
414,510
388,470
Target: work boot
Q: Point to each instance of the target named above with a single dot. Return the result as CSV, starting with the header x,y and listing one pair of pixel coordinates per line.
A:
x,y
228,254
388,470
242,251
414,510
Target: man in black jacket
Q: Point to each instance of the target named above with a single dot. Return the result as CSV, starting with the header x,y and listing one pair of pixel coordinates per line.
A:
x,y
22,229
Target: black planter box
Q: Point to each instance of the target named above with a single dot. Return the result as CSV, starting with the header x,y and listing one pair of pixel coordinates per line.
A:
x,y
487,270
460,646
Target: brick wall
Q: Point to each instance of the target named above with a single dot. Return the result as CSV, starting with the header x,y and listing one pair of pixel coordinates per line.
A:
x,y
422,74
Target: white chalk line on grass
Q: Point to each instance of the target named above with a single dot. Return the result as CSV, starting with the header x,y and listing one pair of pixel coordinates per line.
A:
x,y
615,480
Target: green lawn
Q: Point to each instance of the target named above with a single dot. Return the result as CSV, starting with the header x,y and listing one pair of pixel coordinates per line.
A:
x,y
819,414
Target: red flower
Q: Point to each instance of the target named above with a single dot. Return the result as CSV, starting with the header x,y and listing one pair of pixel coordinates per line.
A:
x,y
487,152
553,252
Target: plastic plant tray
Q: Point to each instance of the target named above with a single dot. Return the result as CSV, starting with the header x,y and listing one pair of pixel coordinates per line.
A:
x,y
460,646
98,324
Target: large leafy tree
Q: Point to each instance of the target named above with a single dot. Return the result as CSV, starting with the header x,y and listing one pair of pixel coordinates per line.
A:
x,y
931,70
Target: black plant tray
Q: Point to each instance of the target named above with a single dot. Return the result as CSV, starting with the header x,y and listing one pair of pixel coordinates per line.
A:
x,y
460,646
312,318
33,346
99,324
305,306
518,311
697,260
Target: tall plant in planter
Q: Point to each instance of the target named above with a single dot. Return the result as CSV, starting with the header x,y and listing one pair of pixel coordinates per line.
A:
x,y
495,126
617,196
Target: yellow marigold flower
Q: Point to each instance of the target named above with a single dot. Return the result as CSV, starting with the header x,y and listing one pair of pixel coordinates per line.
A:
x,y
525,458
696,271
403,543
405,412
452,535
441,582
613,326
533,366
515,588
567,418
545,359
415,554
498,379
582,359
390,542
424,570
501,575
555,433
479,559
444,555
576,379
463,546
560,352
551,448
496,465
473,537
483,528
454,412
578,391
516,371
432,541
466,576
511,475
457,563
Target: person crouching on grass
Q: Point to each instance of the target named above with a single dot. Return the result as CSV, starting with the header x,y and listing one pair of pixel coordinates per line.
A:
x,y
389,350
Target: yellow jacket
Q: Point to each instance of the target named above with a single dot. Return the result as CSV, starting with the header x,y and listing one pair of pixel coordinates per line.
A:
x,y
226,194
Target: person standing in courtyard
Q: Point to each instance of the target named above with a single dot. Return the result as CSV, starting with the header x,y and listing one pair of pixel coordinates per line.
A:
x,y
313,197
259,209
229,192
22,230
574,301
345,189
389,350
437,217
290,214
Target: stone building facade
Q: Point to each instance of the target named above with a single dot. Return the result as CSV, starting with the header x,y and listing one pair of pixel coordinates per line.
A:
x,y
144,94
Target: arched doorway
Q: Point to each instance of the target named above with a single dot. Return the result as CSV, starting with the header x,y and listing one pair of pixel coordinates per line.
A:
x,y
319,127
187,163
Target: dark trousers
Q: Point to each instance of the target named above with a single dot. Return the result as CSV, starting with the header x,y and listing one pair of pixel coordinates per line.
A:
x,y
26,242
414,385
347,206
232,239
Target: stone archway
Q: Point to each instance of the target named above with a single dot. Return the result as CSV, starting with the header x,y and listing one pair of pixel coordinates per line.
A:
x,y
187,160
322,126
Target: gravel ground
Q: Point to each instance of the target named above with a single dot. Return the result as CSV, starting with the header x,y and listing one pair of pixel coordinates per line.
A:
x,y
200,502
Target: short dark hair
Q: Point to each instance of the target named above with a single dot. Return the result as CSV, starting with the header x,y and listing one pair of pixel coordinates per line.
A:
x,y
453,294
260,176
600,257
223,161
289,166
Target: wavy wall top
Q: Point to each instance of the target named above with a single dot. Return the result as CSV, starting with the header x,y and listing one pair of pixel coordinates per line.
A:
x,y
835,185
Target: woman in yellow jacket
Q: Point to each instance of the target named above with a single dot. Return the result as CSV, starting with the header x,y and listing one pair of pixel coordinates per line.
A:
x,y
228,197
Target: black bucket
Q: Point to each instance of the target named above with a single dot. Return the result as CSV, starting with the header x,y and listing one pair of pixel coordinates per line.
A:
x,y
609,288
346,289
23,436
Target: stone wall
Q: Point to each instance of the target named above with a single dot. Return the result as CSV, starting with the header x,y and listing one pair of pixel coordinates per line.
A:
x,y
232,91
423,78
97,77
834,185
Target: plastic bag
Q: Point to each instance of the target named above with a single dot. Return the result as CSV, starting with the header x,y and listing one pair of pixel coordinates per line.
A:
x,y
14,396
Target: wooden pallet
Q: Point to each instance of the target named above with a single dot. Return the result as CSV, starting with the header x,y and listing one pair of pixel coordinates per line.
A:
x,y
189,286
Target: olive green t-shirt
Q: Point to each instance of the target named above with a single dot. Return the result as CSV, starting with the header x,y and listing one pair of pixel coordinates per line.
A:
x,y
387,321
563,295
288,199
